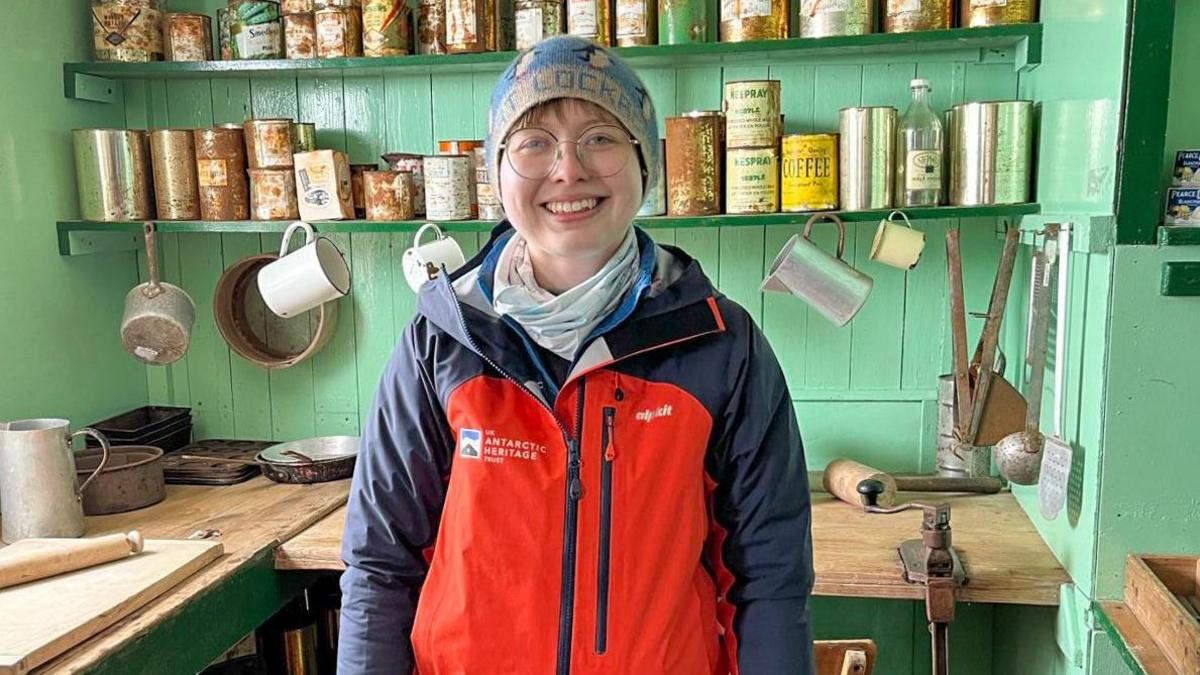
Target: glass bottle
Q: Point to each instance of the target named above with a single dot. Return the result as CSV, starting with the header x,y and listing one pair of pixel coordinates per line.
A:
x,y
919,151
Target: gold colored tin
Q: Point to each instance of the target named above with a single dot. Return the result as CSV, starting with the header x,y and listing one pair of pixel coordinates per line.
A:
x,y
300,36
176,190
537,20
297,6
591,19
221,172
339,32
304,137
752,180
743,20
637,22
187,37
977,13
388,195
414,164
273,195
906,16
809,172
357,195
269,144
694,142
431,27
827,18
386,28
112,174
478,26
127,30
752,118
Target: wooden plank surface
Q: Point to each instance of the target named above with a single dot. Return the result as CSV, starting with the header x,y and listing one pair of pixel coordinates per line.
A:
x,y
41,619
1134,640
1151,583
854,553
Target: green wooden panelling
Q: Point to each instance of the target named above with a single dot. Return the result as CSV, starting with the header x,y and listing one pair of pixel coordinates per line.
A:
x,y
1179,236
1181,277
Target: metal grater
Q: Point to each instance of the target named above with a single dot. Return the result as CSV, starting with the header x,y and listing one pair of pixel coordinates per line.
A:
x,y
1055,475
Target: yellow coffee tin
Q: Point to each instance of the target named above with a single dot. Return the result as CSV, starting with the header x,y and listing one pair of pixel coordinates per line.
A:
x,y
809,172
752,180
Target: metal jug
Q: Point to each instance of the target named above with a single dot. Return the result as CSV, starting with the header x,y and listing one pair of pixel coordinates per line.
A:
x,y
830,286
38,492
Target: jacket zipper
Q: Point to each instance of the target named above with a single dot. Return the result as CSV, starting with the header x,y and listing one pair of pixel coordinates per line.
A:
x,y
566,618
608,453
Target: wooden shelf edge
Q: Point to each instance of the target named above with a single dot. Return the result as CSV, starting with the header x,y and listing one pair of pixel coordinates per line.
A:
x,y
1178,235
1133,642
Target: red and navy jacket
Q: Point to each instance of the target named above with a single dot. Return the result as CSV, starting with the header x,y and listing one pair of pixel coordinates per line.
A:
x,y
651,516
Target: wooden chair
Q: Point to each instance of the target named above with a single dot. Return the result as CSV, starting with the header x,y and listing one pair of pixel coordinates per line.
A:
x,y
844,657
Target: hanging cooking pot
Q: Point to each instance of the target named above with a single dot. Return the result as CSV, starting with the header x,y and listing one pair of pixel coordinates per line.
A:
x,y
157,326
312,460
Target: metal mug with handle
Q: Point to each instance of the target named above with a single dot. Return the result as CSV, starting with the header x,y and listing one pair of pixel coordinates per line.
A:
x,y
38,492
308,277
424,262
825,282
157,325
897,245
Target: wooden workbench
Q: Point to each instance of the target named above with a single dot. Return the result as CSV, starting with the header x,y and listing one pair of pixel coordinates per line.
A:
x,y
854,554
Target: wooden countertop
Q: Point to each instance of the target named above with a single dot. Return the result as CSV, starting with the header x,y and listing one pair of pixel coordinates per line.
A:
x,y
854,553
251,518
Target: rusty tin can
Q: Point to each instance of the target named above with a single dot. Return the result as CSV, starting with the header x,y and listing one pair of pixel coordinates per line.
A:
x,y
825,18
255,30
269,143
300,36
127,30
460,147
431,27
752,117
591,19
537,20
297,6
976,13
682,21
356,188
478,26
743,20
339,32
809,172
414,164
187,37
866,148
112,170
224,19
386,28
694,143
176,189
304,137
906,16
273,195
221,172
752,180
490,207
388,195
448,187
637,22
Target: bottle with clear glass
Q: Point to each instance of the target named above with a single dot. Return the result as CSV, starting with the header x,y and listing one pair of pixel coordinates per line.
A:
x,y
919,151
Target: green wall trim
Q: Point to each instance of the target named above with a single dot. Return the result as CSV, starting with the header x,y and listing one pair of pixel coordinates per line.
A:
x,y
1181,278
1174,235
1114,635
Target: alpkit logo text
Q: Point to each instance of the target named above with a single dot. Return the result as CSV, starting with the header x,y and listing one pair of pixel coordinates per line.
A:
x,y
650,414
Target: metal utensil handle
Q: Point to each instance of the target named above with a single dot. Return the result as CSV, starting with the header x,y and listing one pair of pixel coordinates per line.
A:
x,y
1044,276
841,247
1060,333
154,289
104,455
958,333
985,353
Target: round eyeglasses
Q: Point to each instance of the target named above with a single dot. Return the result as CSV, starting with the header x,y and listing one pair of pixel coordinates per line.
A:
x,y
603,150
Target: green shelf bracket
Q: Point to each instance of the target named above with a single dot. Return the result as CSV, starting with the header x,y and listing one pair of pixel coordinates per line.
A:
x,y
1181,278
84,87
82,242
1178,235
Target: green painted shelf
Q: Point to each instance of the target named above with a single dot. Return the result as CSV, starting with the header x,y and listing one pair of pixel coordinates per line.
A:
x,y
1178,235
77,237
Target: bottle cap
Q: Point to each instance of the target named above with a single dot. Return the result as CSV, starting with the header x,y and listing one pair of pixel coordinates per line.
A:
x,y
918,82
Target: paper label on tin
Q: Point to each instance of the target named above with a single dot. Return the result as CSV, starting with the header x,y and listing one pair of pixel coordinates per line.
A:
x,y
748,9
1183,205
814,7
977,4
923,170
259,41
896,7
529,27
1187,168
212,173
752,185
631,18
460,22
581,17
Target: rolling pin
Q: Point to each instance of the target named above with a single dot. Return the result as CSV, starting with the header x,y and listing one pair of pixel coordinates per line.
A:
x,y
31,559
842,476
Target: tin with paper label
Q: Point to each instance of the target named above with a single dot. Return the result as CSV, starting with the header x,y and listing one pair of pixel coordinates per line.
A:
x,y
906,16
339,32
221,172
809,173
385,28
637,22
256,31
826,18
591,19
431,27
478,26
127,30
752,117
752,180
414,164
269,143
743,20
388,195
187,37
447,187
976,13
297,6
273,194
300,36
537,20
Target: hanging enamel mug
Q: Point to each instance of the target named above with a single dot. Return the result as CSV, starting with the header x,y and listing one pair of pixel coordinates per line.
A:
x,y
897,245
308,277
825,282
423,262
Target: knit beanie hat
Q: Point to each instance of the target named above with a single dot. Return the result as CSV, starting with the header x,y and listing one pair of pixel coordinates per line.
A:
x,y
566,66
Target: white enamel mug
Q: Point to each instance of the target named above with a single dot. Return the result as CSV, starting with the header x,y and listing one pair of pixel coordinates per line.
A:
x,y
308,277
897,245
424,262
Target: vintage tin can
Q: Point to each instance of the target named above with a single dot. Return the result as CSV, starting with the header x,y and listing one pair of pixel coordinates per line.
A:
x,y
255,30
386,29
990,151
479,26
752,180
112,170
323,185
490,207
743,20
127,30
637,22
300,36
975,13
1187,169
682,21
221,172
356,188
906,16
752,117
591,19
1183,206
537,20
431,27
187,37
694,143
867,151
224,46
339,32
297,6
388,195
322,4
459,147
447,187
414,164
479,163
468,148
304,137
655,201
273,195
269,143
809,172
825,18
176,189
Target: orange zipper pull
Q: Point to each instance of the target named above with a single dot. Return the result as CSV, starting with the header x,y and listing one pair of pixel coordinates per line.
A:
x,y
610,453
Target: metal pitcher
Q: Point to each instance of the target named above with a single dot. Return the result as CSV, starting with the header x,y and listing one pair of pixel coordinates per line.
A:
x,y
825,282
38,493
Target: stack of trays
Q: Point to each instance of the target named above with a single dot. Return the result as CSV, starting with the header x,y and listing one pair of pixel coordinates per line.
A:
x,y
181,471
158,426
